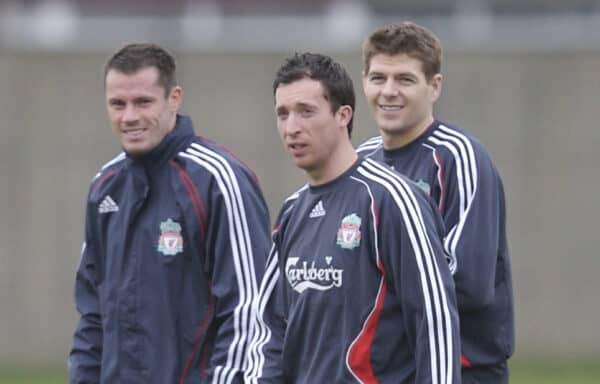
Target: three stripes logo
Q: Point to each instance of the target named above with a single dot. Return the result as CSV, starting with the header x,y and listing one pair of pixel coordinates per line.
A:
x,y
317,211
108,205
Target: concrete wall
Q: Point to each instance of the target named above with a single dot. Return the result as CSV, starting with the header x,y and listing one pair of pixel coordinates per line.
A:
x,y
536,114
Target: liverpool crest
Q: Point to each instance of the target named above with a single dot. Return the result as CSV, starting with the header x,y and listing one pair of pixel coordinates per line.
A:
x,y
170,241
348,234
424,186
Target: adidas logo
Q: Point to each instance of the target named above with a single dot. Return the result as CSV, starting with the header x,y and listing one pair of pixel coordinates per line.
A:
x,y
108,205
317,211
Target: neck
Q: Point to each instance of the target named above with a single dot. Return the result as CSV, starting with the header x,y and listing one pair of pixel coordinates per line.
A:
x,y
340,160
399,139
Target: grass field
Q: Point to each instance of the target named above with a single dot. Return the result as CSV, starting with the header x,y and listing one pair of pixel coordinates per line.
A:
x,y
556,373
534,373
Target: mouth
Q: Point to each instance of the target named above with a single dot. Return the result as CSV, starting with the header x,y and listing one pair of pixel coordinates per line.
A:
x,y
133,133
296,148
390,107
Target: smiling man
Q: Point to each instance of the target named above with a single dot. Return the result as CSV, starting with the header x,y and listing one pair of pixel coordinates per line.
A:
x,y
356,289
401,82
169,267
140,109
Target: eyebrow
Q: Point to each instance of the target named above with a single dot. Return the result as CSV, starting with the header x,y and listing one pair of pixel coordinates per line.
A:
x,y
304,105
296,105
135,99
405,73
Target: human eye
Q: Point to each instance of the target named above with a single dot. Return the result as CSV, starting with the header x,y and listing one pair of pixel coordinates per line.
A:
x,y
407,80
282,114
144,101
376,78
306,112
116,104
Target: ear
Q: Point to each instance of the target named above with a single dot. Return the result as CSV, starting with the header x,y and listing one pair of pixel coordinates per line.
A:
x,y
344,115
175,98
436,86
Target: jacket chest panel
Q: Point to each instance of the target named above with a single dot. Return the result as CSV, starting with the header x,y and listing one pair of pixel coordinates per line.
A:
x,y
328,247
420,167
145,236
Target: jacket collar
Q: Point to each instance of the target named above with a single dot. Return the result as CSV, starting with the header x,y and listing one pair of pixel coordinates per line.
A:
x,y
172,143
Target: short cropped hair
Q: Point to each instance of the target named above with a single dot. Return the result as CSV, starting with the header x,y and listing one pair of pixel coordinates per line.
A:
x,y
405,38
338,86
134,57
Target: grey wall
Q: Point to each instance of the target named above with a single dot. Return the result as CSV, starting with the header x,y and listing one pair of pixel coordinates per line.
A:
x,y
536,114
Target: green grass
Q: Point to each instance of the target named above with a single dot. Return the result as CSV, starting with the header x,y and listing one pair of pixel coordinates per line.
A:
x,y
521,373
555,373
33,376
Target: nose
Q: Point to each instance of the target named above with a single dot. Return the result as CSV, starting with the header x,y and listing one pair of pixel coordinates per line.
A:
x,y
291,125
389,88
130,115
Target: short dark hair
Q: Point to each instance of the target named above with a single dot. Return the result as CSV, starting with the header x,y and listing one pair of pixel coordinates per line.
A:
x,y
338,86
134,57
405,38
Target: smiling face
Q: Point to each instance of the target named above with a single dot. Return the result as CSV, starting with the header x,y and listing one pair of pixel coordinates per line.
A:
x,y
140,113
400,97
315,136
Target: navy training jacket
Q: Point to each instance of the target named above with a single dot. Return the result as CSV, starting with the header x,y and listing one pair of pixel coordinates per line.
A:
x,y
175,243
456,170
357,288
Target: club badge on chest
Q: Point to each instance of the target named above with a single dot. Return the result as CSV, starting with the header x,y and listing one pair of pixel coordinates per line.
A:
x,y
170,241
348,234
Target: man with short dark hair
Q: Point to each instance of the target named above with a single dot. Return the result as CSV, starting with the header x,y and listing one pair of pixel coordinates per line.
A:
x,y
176,237
401,81
356,287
